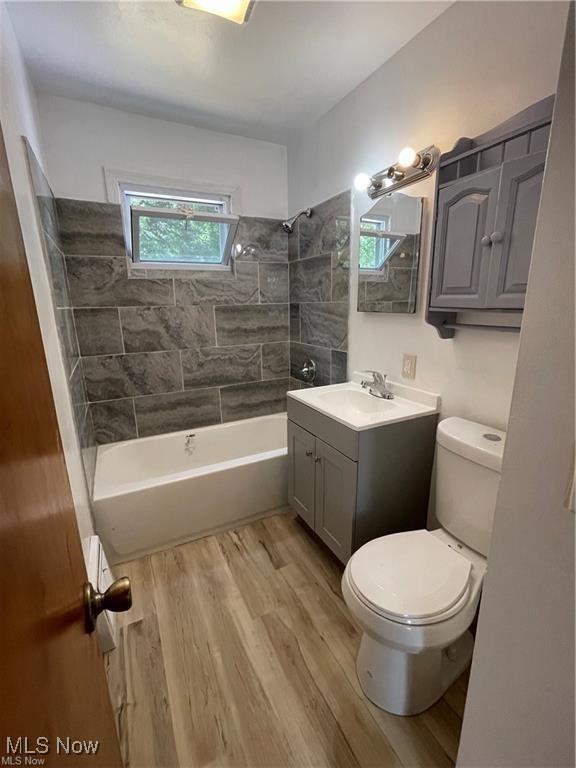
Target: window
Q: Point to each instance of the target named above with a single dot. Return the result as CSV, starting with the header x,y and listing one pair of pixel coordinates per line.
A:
x,y
175,229
377,243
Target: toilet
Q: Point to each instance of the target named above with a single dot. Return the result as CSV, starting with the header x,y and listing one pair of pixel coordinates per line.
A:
x,y
415,594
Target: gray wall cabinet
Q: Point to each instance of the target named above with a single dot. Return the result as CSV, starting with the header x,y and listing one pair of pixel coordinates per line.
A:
x,y
487,198
350,487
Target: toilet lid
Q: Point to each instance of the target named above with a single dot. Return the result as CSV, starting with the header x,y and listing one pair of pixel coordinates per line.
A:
x,y
409,575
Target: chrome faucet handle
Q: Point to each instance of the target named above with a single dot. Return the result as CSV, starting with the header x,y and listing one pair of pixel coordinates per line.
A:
x,y
378,378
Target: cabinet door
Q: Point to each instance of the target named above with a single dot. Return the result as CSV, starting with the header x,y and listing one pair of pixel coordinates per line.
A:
x,y
465,217
513,235
301,472
335,499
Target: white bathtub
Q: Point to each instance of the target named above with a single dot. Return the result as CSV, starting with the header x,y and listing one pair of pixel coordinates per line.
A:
x,y
150,493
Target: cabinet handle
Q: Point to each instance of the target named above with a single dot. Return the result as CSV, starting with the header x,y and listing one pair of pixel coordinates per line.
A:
x,y
317,459
308,453
497,237
486,240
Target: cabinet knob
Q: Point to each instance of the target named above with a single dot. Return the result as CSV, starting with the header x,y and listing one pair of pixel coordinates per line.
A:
x,y
308,453
486,240
497,237
318,459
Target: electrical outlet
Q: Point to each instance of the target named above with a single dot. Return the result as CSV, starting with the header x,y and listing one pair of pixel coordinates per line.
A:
x,y
409,366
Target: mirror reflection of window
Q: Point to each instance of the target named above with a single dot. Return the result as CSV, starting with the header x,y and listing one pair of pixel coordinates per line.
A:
x,y
388,255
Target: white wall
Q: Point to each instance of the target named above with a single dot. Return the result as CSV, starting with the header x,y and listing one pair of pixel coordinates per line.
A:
x,y
81,140
520,707
473,67
18,117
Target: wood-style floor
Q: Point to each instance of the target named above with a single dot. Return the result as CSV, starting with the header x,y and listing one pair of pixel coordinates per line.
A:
x,y
239,651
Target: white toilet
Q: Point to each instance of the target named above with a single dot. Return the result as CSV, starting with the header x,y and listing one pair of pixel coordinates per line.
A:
x,y
415,594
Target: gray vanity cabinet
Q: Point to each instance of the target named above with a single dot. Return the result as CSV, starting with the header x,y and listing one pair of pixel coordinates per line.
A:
x,y
513,234
350,487
466,212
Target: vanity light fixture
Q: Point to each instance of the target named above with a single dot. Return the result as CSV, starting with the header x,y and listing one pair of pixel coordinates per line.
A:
x,y
361,182
237,11
412,166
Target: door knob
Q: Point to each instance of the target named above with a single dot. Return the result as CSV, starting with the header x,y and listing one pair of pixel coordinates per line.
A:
x,y
486,240
497,237
117,598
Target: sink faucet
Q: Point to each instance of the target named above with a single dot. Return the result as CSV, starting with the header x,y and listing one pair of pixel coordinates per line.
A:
x,y
377,386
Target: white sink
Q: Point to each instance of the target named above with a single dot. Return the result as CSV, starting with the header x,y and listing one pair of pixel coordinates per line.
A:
x,y
355,407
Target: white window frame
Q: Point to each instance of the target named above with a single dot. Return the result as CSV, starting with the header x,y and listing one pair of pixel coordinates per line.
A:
x,y
131,218
379,235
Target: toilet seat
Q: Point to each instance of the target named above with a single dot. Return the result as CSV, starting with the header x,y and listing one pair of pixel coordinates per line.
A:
x,y
411,578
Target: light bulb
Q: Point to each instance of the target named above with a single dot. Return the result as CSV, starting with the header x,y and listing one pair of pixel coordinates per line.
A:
x,y
362,182
407,157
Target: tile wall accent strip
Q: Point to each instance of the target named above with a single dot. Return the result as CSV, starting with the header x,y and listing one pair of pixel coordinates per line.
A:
x,y
158,414
215,366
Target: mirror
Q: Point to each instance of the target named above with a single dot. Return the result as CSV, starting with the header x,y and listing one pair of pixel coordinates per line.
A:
x,y
388,255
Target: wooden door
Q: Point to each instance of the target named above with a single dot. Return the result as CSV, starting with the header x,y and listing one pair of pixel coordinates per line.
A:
x,y
301,472
52,674
336,477
466,213
513,236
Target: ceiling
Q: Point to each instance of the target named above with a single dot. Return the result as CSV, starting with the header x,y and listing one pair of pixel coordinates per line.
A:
x,y
267,79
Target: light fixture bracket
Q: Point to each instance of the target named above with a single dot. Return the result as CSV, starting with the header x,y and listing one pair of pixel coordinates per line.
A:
x,y
395,176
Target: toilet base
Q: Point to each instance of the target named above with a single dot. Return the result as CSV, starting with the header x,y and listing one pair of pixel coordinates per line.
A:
x,y
408,683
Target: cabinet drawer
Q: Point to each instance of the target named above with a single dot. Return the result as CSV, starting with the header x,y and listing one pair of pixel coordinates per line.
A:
x,y
330,431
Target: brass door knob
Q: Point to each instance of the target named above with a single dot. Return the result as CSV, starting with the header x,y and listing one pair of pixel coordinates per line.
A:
x,y
117,598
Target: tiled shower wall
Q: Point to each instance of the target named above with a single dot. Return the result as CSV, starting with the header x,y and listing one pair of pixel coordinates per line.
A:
x,y
319,255
62,305
176,350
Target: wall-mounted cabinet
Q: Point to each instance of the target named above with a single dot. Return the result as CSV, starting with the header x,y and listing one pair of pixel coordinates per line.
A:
x,y
487,197
351,486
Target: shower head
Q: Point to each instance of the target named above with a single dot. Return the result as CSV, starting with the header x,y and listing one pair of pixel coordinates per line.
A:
x,y
288,225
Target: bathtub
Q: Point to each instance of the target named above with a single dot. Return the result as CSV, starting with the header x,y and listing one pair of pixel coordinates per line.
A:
x,y
155,492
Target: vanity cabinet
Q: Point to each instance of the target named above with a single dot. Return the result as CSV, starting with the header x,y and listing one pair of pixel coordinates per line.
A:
x,y
351,486
487,198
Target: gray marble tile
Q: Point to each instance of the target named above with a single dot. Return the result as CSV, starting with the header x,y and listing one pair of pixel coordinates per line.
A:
x,y
98,331
325,324
299,353
113,376
339,367
293,243
146,329
275,360
57,273
215,366
88,228
328,229
273,283
294,322
310,279
252,324
375,306
235,287
341,276
407,254
394,285
113,420
182,410
261,239
68,339
403,307
104,282
77,390
245,401
295,384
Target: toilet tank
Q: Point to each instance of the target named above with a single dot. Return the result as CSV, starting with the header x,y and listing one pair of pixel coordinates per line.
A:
x,y
468,465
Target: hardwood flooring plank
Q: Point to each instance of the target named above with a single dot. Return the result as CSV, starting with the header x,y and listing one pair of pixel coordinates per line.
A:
x,y
150,733
445,726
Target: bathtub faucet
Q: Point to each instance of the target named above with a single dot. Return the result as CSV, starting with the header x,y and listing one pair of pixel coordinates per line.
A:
x,y
189,444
